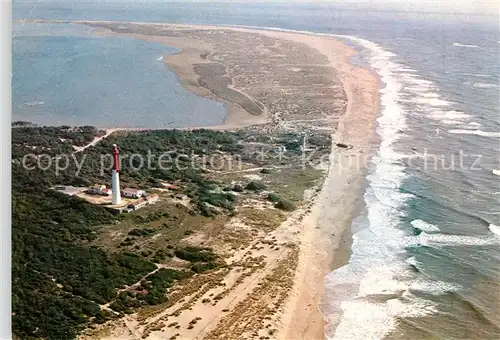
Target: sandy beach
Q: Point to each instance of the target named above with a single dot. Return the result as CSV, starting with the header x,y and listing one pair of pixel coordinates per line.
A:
x,y
326,238
318,231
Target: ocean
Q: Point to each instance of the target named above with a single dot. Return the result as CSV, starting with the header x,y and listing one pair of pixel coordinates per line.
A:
x,y
425,260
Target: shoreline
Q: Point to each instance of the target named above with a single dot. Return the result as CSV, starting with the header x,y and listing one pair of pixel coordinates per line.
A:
x,y
181,64
344,186
324,236
317,258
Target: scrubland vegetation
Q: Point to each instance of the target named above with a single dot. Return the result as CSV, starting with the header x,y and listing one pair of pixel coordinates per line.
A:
x,y
67,273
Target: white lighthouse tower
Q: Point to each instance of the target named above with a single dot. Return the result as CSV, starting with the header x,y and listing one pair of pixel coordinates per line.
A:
x,y
303,141
115,178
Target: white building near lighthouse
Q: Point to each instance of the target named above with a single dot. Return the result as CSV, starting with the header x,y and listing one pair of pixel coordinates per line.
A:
x,y
115,178
132,193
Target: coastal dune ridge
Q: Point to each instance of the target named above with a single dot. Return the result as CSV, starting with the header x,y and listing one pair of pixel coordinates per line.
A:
x,y
274,79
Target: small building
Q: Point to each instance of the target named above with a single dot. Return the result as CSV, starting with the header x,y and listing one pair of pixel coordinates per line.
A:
x,y
152,198
170,186
132,193
281,149
97,189
106,192
137,204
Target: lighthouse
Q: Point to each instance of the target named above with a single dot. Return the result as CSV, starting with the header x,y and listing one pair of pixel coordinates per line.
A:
x,y
303,141
115,177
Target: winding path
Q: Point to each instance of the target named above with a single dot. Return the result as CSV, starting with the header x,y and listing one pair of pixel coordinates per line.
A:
x,y
95,141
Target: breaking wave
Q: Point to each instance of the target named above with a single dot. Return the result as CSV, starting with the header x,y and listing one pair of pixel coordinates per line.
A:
x,y
475,132
33,103
494,229
477,75
484,85
465,45
424,226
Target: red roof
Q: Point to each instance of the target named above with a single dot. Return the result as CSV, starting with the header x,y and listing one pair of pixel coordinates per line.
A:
x,y
137,203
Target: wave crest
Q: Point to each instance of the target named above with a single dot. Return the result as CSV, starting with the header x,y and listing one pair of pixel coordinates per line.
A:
x,y
475,132
464,45
494,229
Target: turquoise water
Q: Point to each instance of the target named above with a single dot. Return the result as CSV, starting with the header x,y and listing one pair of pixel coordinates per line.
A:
x,y
425,254
65,75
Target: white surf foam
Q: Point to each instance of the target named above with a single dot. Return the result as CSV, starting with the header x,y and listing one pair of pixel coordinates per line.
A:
x,y
434,287
430,95
436,240
375,266
451,122
362,320
450,116
424,226
494,229
34,103
406,69
484,85
475,132
474,124
469,126
477,75
414,81
160,58
432,101
465,45
412,261
418,89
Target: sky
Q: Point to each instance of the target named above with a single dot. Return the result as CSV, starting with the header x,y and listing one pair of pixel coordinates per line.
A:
x,y
491,7
441,6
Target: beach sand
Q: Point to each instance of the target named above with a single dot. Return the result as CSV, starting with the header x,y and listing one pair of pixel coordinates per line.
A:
x,y
326,238
320,229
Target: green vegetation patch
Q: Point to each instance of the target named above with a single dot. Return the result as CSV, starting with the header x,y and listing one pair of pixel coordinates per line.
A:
x,y
238,188
203,267
255,186
297,180
150,217
142,232
273,197
195,254
264,219
55,270
156,284
161,255
285,205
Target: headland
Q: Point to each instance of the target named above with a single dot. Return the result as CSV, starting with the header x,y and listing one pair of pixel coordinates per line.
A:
x,y
268,282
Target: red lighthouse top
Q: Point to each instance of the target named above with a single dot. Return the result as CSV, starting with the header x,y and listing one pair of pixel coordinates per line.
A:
x,y
115,157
